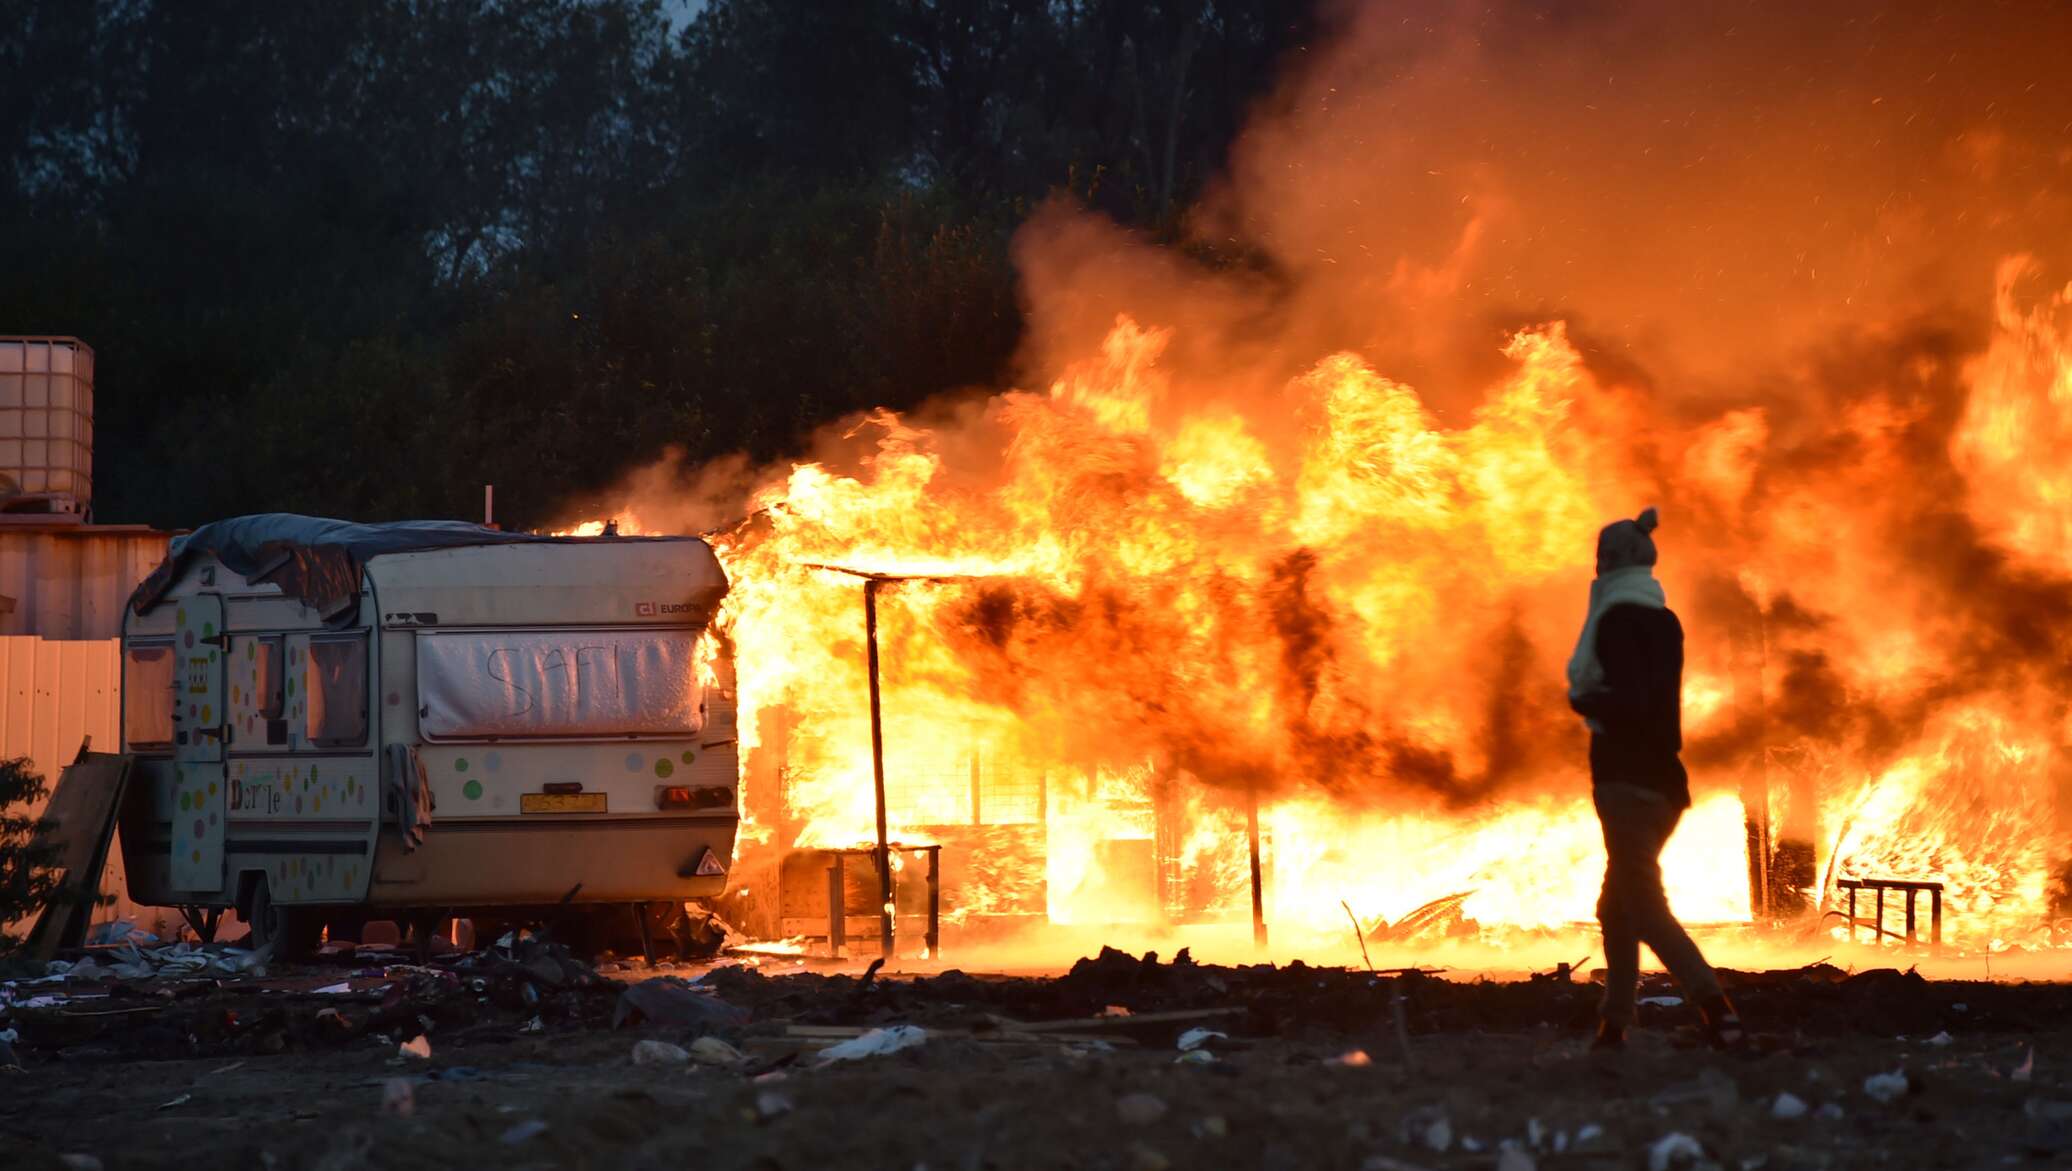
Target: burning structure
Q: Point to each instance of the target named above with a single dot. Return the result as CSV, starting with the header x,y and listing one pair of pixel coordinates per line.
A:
x,y
1295,520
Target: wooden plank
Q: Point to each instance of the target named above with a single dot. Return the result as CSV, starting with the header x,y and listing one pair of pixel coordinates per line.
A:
x,y
81,823
1101,1023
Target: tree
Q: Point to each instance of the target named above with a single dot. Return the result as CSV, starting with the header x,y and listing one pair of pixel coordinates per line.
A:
x,y
28,883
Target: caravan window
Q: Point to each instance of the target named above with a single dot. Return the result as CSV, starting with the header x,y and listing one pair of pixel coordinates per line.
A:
x,y
147,696
336,681
558,683
267,699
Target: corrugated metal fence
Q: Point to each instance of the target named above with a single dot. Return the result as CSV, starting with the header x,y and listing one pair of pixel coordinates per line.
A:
x,y
71,581
55,696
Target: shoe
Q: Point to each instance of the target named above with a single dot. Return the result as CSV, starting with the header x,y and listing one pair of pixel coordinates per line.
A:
x,y
1610,1038
1723,1027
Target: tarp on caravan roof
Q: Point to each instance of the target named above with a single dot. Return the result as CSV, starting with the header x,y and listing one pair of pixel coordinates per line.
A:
x,y
315,560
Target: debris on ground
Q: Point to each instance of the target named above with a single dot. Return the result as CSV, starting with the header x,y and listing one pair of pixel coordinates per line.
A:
x,y
1886,1087
398,1097
1140,1109
1285,1064
1674,1150
876,1043
713,1051
651,1052
672,1002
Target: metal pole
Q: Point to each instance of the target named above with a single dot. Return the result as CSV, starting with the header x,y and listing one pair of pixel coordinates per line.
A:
x,y
934,937
870,635
977,800
837,907
1258,890
488,505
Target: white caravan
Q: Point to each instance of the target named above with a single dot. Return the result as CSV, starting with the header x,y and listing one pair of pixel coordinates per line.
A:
x,y
331,720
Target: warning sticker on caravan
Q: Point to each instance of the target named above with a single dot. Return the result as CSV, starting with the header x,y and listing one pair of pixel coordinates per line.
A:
x,y
561,803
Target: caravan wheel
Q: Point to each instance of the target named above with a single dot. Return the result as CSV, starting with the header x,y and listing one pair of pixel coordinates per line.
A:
x,y
292,931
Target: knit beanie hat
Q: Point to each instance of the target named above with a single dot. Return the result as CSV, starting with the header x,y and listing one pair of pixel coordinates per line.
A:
x,y
1624,544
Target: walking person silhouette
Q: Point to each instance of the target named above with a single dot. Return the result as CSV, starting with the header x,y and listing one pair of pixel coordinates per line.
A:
x,y
1626,681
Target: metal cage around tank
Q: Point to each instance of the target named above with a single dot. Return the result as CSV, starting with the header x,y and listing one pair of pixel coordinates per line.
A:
x,y
46,425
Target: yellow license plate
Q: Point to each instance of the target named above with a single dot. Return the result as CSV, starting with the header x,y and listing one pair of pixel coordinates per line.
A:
x,y
561,803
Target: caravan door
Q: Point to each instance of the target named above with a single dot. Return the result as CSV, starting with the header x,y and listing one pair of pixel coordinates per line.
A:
x,y
200,796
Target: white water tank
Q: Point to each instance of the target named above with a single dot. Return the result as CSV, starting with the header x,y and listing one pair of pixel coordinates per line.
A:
x,y
46,425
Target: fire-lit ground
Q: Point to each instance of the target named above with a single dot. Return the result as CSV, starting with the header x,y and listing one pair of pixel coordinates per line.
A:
x,y
1305,1068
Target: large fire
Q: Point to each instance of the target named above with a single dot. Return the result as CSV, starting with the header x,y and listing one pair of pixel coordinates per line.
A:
x,y
1226,558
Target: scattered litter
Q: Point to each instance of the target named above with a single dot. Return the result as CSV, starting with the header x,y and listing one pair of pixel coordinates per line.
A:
x,y
1213,1126
1143,1158
876,1043
218,1072
1196,1038
713,1051
1589,1134
2027,1069
1140,1109
455,1073
398,1097
1352,1059
1673,1150
338,989
1195,1057
1789,1106
651,1052
1429,1128
535,1025
1940,1040
1711,1088
672,1002
1115,1010
1471,1145
520,1132
1886,1087
80,1161
1535,1133
1663,1001
118,931
182,1100
1385,1163
418,1047
770,1104
1515,1159
1828,1112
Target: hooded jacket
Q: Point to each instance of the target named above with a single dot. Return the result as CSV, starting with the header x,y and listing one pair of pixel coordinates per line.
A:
x,y
1626,678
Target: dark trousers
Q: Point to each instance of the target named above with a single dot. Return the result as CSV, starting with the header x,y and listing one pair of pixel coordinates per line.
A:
x,y
1633,908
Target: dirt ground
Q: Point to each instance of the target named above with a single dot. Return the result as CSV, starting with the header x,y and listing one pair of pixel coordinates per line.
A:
x,y
1497,1076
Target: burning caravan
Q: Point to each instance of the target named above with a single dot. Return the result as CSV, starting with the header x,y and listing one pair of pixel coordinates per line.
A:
x,y
332,720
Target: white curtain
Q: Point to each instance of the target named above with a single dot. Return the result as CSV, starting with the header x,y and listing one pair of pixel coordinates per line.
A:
x,y
337,680
558,683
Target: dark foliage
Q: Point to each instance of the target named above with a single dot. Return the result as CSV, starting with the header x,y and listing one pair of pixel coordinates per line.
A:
x,y
27,884
360,259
